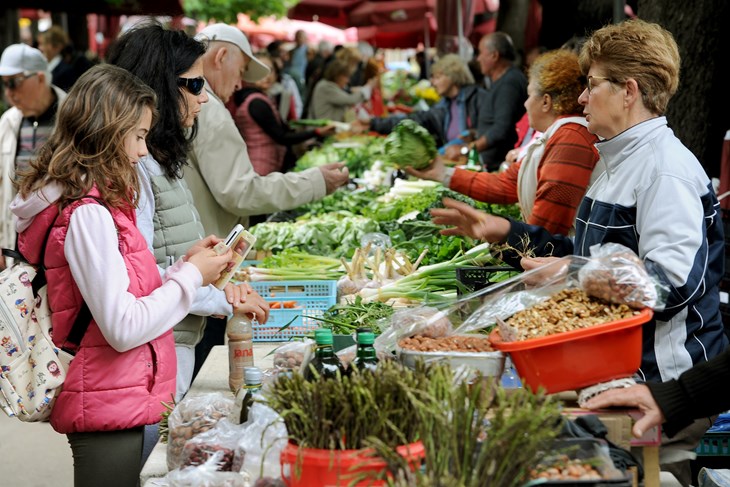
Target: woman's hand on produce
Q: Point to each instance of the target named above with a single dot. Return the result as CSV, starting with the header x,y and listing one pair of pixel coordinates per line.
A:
x,y
325,131
453,152
211,264
638,396
207,243
335,175
255,307
359,126
468,221
435,172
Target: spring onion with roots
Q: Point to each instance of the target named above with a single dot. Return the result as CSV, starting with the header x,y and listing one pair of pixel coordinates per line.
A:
x,y
292,265
433,283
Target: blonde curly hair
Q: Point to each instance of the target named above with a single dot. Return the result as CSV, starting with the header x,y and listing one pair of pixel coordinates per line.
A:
x,y
453,67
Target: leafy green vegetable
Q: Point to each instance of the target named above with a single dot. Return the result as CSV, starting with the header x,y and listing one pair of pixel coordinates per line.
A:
x,y
409,144
346,318
311,122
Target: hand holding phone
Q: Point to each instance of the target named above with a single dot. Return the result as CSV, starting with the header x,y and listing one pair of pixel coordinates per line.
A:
x,y
241,242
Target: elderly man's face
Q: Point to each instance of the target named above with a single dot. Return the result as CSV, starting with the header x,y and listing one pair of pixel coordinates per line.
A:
x,y
234,66
487,58
24,91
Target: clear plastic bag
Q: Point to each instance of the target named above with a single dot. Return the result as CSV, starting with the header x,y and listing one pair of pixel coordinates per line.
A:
x,y
207,475
616,274
191,417
293,355
259,448
425,321
223,437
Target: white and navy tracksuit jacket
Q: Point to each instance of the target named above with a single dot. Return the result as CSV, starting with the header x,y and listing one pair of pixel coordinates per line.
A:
x,y
655,198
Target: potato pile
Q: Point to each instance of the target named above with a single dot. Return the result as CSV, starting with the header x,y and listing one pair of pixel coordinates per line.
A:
x,y
455,343
568,310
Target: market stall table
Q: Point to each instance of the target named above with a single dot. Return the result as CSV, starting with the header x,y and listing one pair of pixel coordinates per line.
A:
x,y
213,377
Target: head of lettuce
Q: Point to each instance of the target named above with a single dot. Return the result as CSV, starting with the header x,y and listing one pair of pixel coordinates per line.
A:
x,y
409,144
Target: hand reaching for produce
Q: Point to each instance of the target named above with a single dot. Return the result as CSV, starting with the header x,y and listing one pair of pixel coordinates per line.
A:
x,y
255,307
325,131
335,175
547,271
638,396
435,172
360,126
468,221
453,152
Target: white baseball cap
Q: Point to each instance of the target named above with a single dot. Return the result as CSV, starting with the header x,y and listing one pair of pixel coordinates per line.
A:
x,y
255,70
21,58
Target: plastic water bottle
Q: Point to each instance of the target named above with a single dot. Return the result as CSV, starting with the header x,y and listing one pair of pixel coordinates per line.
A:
x,y
240,349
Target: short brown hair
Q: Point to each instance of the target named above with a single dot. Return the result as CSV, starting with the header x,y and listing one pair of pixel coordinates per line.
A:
x,y
55,36
337,68
643,51
557,74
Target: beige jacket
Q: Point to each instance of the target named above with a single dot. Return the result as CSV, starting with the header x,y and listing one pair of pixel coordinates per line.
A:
x,y
225,187
10,123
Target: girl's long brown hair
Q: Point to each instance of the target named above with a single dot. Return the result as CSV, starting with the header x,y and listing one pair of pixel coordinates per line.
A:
x,y
86,147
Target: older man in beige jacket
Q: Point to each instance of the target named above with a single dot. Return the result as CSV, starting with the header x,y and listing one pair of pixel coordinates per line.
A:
x,y
225,187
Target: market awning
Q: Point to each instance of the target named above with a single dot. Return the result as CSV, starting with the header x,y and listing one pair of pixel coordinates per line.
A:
x,y
331,12
124,7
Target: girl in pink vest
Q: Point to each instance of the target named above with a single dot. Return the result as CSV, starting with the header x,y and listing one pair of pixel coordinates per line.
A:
x,y
125,364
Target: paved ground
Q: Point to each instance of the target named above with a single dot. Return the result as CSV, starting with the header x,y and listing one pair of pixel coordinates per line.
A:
x,y
39,456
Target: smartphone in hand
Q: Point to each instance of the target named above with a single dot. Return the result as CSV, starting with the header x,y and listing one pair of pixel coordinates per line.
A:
x,y
241,242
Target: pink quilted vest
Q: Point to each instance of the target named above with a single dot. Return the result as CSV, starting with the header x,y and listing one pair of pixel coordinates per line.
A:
x,y
266,154
105,390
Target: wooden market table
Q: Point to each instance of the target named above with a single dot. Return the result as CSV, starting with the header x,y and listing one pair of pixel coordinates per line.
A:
x,y
213,377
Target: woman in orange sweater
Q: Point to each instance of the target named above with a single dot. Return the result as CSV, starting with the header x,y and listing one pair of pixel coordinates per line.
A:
x,y
550,181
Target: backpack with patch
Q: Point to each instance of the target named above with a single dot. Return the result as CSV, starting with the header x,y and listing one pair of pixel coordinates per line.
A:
x,y
32,368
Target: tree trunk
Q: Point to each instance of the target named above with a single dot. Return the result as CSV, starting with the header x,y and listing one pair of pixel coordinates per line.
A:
x,y
699,112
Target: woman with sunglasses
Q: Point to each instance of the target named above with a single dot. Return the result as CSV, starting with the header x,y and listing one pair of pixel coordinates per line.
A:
x,y
170,62
654,198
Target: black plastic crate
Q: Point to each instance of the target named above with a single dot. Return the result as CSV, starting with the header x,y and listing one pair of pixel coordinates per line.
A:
x,y
477,278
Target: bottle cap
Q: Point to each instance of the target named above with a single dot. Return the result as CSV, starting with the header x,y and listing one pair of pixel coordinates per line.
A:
x,y
323,336
252,375
366,338
364,329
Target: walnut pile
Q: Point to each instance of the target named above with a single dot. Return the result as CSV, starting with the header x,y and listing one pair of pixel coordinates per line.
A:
x,y
568,310
456,343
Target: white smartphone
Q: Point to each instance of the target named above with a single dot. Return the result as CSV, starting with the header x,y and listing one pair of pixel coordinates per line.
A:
x,y
241,242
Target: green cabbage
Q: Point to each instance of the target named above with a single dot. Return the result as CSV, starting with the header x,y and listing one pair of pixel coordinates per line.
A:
x,y
409,144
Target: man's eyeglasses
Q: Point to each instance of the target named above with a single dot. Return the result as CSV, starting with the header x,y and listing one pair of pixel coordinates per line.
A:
x,y
15,82
193,85
592,84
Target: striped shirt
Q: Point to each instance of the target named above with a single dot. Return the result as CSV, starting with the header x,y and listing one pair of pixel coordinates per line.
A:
x,y
563,176
34,132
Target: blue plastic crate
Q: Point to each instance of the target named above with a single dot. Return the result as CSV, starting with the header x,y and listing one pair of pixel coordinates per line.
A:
x,y
313,299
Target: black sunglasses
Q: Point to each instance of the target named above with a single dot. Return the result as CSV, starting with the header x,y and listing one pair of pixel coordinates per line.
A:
x,y
193,85
15,82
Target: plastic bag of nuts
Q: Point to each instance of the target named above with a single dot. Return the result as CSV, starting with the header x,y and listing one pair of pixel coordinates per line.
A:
x,y
616,274
191,417
292,355
206,475
223,437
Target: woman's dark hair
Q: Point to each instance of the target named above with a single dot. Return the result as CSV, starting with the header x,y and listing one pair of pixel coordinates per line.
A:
x,y
158,57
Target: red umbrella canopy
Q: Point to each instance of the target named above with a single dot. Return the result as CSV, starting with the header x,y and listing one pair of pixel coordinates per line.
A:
x,y
384,12
331,12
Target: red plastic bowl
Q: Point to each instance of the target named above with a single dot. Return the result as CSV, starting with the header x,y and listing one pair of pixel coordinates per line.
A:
x,y
580,358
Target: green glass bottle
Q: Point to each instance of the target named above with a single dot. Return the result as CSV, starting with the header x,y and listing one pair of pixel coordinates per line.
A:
x,y
252,381
366,357
473,163
325,361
